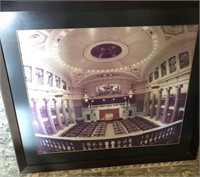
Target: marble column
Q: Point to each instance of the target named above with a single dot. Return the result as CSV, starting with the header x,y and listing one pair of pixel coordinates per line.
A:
x,y
65,113
50,118
152,106
39,117
71,111
166,105
144,108
159,104
56,107
147,103
176,104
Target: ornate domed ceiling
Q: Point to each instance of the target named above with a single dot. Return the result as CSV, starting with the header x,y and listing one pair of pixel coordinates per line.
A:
x,y
123,52
101,49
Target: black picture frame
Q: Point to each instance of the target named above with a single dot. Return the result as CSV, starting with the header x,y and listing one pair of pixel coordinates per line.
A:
x,y
47,15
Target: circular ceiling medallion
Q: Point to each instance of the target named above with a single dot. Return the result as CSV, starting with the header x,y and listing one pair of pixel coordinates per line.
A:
x,y
106,51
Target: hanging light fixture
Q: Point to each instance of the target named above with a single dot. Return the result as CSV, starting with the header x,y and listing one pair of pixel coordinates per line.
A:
x,y
86,98
130,93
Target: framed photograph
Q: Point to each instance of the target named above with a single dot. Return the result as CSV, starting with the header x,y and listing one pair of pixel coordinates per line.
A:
x,y
156,73
57,79
39,73
151,77
163,69
83,82
28,73
108,89
64,85
172,64
184,59
49,79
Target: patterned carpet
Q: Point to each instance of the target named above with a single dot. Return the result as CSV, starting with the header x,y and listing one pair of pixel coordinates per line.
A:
x,y
8,164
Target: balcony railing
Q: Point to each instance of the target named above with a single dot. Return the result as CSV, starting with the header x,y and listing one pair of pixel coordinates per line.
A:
x,y
167,135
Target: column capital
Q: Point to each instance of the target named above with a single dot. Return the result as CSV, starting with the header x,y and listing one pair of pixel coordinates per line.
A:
x,y
155,87
34,100
160,90
63,100
46,100
54,99
179,86
168,89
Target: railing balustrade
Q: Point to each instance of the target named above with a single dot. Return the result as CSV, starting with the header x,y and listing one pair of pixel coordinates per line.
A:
x,y
165,135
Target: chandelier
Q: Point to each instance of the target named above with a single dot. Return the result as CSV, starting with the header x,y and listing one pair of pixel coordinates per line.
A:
x,y
86,97
130,93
